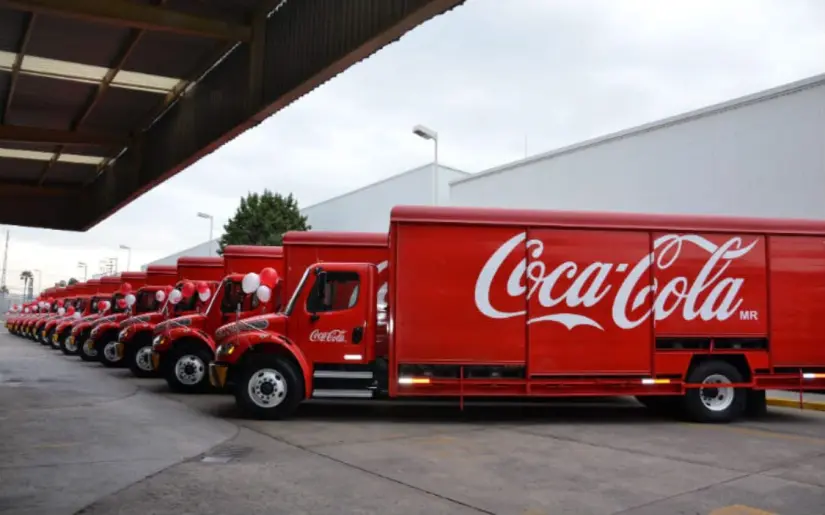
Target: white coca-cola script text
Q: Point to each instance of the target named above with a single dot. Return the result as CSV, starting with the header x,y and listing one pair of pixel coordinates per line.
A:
x,y
334,336
590,285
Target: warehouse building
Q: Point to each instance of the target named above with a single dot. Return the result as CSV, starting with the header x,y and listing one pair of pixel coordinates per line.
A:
x,y
364,209
760,155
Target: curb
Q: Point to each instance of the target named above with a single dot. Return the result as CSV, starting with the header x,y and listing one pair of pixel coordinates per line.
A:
x,y
790,403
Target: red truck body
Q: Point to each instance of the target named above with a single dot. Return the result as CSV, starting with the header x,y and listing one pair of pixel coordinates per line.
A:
x,y
105,305
72,299
86,309
103,337
185,348
43,306
57,298
699,313
240,342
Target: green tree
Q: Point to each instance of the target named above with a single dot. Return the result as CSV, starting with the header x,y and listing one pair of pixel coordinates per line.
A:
x,y
62,284
262,219
28,284
72,281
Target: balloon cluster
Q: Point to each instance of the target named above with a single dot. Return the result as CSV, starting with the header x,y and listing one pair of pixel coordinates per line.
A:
x,y
261,284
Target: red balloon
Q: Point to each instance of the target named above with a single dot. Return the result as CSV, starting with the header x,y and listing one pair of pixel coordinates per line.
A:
x,y
70,311
269,277
188,289
125,288
203,287
51,300
60,303
101,305
121,303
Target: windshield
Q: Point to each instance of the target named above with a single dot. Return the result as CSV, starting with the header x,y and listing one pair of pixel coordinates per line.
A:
x,y
234,295
95,302
115,301
292,300
145,302
186,304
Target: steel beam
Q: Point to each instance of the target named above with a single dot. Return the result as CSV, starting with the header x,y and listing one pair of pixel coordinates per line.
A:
x,y
21,134
139,16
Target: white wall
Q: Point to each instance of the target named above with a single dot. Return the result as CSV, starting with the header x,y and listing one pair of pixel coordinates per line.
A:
x,y
368,208
365,209
763,155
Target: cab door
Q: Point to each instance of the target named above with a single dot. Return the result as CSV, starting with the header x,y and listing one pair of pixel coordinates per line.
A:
x,y
338,318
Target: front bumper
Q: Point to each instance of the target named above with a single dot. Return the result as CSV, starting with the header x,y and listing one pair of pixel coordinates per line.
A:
x,y
156,361
217,374
120,349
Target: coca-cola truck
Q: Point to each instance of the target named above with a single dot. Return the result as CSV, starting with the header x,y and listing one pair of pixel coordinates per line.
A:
x,y
103,336
110,297
206,271
244,343
74,303
134,339
42,310
57,300
696,314
88,304
184,347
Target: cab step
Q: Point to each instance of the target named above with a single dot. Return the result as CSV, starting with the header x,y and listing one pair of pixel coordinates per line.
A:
x,y
342,394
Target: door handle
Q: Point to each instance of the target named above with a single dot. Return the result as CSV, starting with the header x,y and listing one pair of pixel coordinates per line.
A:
x,y
357,334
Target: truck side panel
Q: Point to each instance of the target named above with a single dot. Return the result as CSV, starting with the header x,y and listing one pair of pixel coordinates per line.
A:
x,y
574,283
711,285
797,285
441,296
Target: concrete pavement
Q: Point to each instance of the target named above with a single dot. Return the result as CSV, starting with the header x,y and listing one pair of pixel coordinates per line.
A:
x,y
71,434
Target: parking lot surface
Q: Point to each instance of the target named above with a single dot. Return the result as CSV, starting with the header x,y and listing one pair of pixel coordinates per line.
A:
x,y
137,449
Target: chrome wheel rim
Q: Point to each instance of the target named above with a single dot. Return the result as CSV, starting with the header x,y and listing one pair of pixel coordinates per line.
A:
x,y
143,359
190,370
716,398
267,388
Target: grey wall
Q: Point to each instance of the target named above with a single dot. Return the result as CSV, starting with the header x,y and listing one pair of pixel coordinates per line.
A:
x,y
762,155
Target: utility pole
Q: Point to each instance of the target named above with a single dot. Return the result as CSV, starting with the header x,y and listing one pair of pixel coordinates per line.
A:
x,y
5,262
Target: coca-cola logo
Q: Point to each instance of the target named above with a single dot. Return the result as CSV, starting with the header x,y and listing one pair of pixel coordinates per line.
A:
x,y
333,336
720,296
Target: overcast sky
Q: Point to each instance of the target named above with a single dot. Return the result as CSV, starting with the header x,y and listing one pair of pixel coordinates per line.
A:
x,y
485,76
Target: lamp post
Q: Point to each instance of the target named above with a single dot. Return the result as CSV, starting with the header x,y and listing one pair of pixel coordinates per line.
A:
x,y
211,221
39,279
427,133
128,255
85,268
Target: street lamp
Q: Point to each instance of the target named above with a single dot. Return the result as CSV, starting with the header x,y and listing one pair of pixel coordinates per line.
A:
x,y
85,268
427,133
211,220
128,255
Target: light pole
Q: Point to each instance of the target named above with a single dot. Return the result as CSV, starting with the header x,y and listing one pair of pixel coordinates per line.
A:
x,y
85,268
211,221
128,255
427,133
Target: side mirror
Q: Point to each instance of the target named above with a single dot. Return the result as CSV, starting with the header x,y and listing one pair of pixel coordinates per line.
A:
x,y
320,284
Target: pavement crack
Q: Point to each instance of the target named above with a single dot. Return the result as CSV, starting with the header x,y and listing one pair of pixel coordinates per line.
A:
x,y
676,495
373,473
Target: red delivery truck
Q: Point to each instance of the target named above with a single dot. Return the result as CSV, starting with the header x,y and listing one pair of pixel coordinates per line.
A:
x,y
700,314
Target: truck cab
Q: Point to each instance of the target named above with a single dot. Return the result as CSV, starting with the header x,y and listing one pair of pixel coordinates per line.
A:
x,y
183,351
56,302
73,306
103,337
185,302
107,302
134,339
338,284
86,308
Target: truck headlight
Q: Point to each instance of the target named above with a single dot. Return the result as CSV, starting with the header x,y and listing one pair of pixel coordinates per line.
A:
x,y
226,349
122,334
156,342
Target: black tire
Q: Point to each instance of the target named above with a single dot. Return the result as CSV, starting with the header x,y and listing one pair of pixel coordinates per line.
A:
x,y
134,354
83,350
106,339
696,410
757,405
667,405
293,380
198,358
61,342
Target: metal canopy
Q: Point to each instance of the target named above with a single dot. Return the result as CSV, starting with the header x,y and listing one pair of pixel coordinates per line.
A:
x,y
97,103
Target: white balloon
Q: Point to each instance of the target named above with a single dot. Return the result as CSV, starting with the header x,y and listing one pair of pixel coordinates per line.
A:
x,y
160,295
175,296
61,311
205,295
26,310
77,314
250,282
106,305
130,299
264,293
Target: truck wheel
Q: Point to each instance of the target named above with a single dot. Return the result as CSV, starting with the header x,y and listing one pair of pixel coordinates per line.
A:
x,y
269,387
139,359
85,348
107,353
715,402
69,350
187,370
